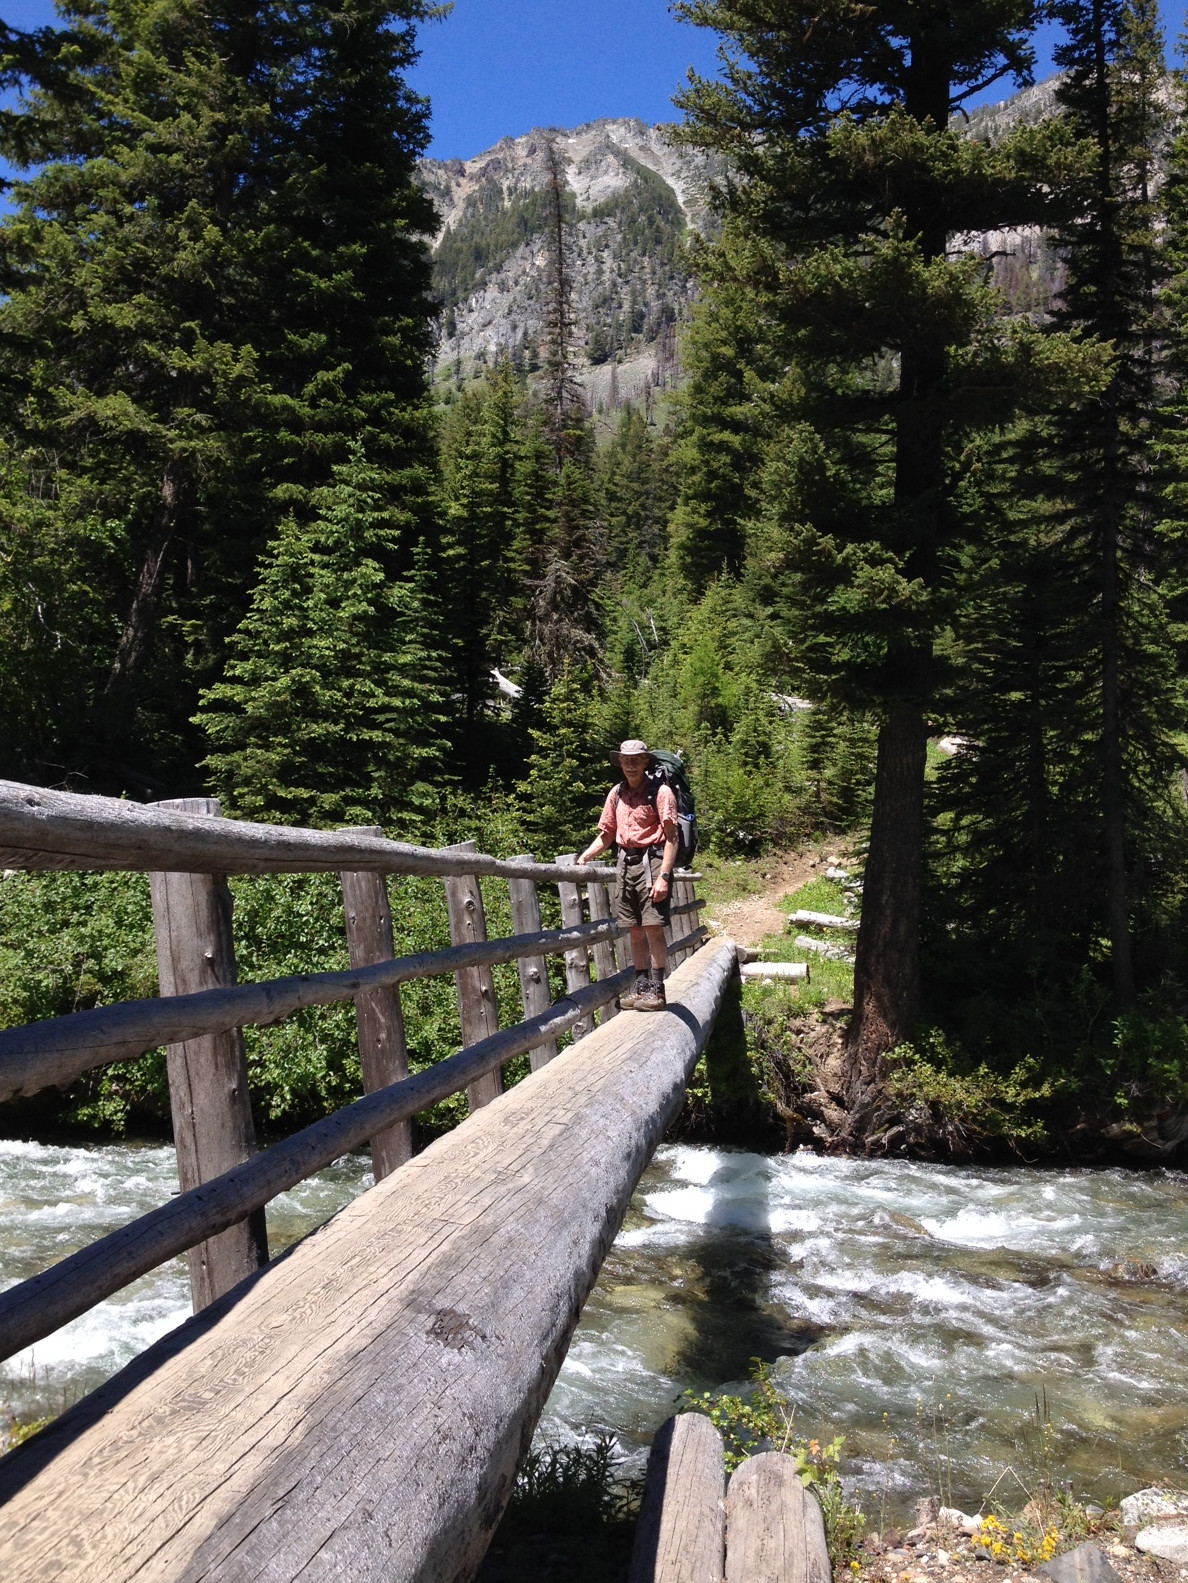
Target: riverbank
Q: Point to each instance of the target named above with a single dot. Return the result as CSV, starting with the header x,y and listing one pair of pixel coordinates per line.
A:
x,y
774,1077
571,1518
1059,1539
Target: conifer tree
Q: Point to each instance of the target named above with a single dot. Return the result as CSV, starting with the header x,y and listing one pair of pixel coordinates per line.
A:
x,y
839,221
333,705
480,455
215,279
634,483
1104,450
565,403
568,773
565,618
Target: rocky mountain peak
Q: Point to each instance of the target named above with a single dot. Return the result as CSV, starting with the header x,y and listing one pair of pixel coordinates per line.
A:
x,y
632,195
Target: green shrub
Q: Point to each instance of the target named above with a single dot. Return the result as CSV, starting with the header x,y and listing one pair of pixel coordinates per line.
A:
x,y
977,1103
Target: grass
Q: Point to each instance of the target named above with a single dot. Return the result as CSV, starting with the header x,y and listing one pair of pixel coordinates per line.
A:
x,y
571,1517
726,879
829,982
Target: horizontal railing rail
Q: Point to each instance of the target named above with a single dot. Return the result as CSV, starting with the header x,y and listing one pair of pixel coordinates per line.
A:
x,y
688,941
49,1054
39,1305
65,830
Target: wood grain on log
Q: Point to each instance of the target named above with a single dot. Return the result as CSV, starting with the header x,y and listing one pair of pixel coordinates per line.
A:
x,y
43,1302
681,1533
360,1410
682,891
42,829
577,961
774,1529
477,1011
379,1016
533,970
208,1081
52,1053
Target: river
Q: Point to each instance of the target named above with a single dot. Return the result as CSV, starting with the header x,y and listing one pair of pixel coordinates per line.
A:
x,y
921,1310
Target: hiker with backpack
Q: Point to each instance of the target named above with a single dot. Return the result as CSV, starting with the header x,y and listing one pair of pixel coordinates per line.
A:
x,y
641,820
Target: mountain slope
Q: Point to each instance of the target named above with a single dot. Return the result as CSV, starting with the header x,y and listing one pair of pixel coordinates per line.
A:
x,y
632,197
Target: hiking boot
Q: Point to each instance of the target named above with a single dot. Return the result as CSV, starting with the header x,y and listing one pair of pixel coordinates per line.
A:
x,y
652,998
630,1000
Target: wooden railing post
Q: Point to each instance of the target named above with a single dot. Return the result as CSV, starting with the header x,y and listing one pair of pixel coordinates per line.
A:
x,y
682,893
577,961
208,1088
476,988
383,1055
533,970
671,934
604,952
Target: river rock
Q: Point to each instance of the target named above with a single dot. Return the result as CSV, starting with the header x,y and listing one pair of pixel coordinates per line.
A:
x,y
959,1520
1140,1507
927,1511
1085,1564
906,1223
1167,1538
1132,1270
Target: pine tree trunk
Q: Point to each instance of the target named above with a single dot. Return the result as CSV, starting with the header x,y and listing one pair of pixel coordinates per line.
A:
x,y
887,970
135,641
1113,795
887,966
132,649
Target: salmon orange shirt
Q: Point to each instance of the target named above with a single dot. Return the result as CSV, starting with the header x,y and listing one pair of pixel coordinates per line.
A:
x,y
628,818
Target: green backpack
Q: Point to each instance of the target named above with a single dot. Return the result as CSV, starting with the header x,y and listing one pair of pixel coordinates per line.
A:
x,y
668,769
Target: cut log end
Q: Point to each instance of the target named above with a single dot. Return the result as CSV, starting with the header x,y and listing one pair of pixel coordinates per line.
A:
x,y
774,1529
681,1535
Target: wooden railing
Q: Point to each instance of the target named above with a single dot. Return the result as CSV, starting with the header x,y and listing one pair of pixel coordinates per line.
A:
x,y
188,851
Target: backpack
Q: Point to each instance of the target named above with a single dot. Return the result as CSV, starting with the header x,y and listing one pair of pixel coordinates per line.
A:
x,y
667,769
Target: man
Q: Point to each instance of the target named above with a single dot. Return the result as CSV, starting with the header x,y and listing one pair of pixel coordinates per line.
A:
x,y
645,832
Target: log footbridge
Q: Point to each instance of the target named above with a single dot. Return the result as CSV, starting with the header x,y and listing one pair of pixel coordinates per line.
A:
x,y
355,1409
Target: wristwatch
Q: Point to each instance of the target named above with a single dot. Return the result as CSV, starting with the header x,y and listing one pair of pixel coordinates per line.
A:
x,y
667,878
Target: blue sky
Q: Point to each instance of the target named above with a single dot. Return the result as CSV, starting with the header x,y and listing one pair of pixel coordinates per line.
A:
x,y
500,67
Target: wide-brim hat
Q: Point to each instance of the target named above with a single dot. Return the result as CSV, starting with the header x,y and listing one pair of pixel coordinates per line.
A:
x,y
633,748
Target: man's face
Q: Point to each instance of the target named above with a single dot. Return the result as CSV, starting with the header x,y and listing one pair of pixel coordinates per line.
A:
x,y
633,766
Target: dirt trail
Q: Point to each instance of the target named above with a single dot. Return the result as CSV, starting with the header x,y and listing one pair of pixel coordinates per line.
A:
x,y
750,918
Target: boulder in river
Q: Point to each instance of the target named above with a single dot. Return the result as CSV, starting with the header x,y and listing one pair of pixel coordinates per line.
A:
x,y
1165,1537
1131,1270
1085,1564
906,1223
1146,1504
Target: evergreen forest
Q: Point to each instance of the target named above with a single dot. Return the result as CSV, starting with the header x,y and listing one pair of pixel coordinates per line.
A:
x,y
912,486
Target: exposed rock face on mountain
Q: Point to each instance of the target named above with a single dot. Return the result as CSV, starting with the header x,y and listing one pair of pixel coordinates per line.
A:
x,y
1025,108
631,197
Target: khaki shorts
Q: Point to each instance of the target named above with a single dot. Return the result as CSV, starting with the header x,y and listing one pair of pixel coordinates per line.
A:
x,y
634,906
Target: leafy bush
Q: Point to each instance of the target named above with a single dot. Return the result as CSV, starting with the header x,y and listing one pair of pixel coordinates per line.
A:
x,y
976,1104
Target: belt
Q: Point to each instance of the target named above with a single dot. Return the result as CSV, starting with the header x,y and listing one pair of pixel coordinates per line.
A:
x,y
641,851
